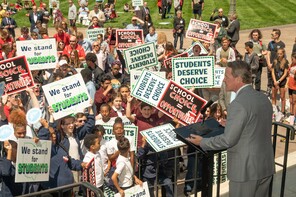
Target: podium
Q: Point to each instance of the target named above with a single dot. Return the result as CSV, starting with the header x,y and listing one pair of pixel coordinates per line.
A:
x,y
206,129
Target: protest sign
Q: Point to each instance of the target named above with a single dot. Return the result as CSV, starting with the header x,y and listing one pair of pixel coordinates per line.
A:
x,y
129,131
129,38
219,77
33,115
137,3
222,161
16,75
92,34
136,191
178,102
5,132
40,54
162,137
139,57
89,175
33,160
194,71
201,30
124,119
67,96
2,86
200,49
168,62
149,88
136,74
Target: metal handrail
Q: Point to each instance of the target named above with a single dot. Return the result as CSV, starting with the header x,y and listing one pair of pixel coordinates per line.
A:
x,y
60,190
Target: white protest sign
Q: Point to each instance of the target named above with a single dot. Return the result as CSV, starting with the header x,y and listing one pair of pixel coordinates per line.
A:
x,y
33,160
40,54
137,3
150,88
33,115
194,71
129,131
219,77
162,137
137,190
124,119
135,75
92,34
139,57
199,47
67,96
5,132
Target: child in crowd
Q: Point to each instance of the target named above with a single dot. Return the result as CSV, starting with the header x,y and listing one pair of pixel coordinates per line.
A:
x,y
112,149
100,132
146,120
279,75
117,110
104,115
216,112
123,176
92,143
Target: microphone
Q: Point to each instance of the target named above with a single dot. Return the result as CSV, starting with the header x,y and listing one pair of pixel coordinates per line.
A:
x,y
209,103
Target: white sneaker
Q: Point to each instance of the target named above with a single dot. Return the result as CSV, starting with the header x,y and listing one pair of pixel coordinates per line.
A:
x,y
279,116
291,120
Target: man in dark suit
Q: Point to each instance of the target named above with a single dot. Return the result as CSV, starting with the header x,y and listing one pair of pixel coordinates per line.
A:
x,y
9,24
233,30
35,16
247,136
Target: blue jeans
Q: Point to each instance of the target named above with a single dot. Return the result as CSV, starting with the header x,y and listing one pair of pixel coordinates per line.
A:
x,y
176,35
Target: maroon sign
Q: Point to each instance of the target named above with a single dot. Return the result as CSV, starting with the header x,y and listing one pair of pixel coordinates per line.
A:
x,y
201,30
16,75
181,103
168,62
129,38
89,175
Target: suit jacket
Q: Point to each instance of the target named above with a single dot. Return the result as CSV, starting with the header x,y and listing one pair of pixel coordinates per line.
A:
x,y
31,19
233,30
10,21
247,137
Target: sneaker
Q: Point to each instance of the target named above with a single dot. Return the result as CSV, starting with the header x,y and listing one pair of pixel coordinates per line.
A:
x,y
268,91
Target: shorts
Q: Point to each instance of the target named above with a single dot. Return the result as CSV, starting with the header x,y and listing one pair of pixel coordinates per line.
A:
x,y
282,84
291,91
72,22
198,12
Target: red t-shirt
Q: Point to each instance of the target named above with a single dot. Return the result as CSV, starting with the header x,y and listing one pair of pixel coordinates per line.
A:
x,y
64,37
68,49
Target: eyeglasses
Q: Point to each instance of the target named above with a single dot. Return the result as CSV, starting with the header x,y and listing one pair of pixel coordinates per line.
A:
x,y
72,40
16,97
80,121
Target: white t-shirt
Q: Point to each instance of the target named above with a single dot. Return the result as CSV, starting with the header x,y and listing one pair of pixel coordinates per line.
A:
x,y
125,171
112,146
103,153
98,167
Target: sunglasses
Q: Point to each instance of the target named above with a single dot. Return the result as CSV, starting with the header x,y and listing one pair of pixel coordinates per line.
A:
x,y
96,45
80,121
72,41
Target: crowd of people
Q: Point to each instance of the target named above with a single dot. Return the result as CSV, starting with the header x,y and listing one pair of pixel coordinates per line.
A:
x,y
78,139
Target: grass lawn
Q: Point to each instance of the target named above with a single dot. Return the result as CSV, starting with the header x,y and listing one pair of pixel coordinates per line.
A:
x,y
251,13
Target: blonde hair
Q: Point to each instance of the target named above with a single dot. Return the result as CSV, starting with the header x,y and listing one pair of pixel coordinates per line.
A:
x,y
161,38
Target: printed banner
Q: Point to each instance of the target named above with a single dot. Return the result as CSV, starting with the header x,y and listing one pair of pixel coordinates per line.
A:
x,y
40,54
168,97
139,57
67,96
223,172
33,160
168,62
129,38
201,30
219,77
136,74
136,191
199,49
16,75
89,175
129,131
150,88
137,3
194,71
181,103
92,34
162,138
